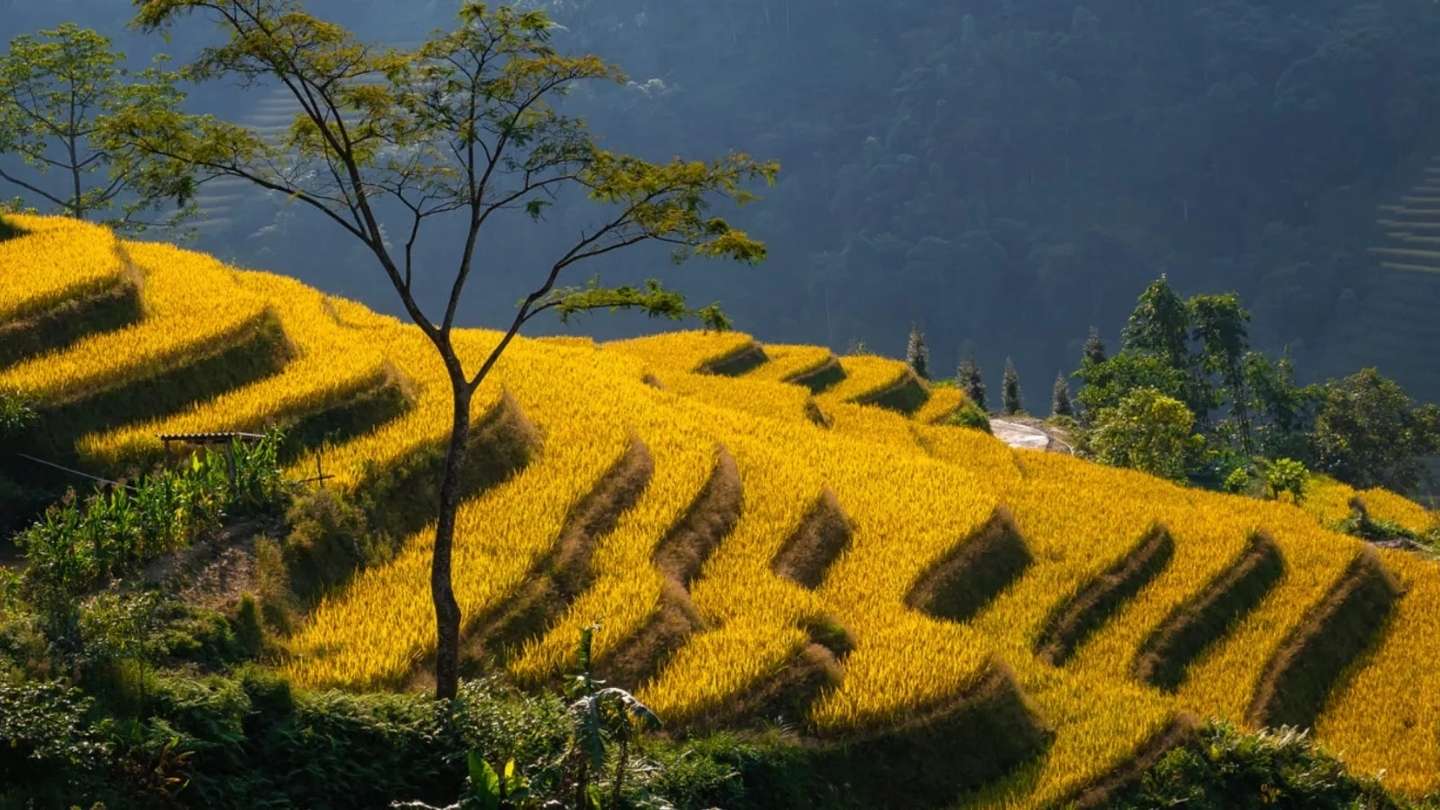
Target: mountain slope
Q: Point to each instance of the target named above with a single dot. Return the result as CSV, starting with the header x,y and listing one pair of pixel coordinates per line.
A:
x,y
754,548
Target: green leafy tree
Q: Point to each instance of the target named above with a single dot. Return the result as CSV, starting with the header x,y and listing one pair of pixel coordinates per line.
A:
x,y
1283,413
57,88
1219,324
1160,325
1146,431
1010,390
917,354
1286,475
970,378
1060,404
462,127
1369,433
1108,382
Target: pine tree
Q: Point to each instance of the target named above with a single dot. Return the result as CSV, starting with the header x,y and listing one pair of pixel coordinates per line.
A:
x,y
1010,389
972,380
1060,404
1094,349
917,354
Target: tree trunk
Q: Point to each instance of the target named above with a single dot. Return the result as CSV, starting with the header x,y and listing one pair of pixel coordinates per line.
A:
x,y
447,610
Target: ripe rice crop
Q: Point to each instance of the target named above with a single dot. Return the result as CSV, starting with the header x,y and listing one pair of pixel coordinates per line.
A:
x,y
682,351
192,306
334,363
1386,505
865,375
915,498
53,260
789,362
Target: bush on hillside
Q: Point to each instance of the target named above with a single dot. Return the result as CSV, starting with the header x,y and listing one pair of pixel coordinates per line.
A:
x,y
971,416
1286,475
1146,431
329,539
1229,770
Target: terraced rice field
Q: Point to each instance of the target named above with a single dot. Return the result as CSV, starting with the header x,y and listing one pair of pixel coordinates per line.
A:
x,y
770,532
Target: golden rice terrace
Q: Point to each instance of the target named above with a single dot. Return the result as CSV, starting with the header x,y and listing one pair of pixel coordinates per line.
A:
x,y
761,532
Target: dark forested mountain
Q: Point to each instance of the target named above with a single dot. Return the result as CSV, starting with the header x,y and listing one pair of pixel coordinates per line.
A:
x,y
1004,173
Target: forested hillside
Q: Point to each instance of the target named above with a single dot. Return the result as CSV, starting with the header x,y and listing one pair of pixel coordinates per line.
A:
x,y
1004,173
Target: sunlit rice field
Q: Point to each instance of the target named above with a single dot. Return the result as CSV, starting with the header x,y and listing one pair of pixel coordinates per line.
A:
x,y
767,509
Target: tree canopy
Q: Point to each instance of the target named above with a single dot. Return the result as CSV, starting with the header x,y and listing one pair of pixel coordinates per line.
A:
x,y
57,90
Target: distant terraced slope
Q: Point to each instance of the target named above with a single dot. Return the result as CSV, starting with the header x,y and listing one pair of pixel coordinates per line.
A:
x,y
1395,322
775,534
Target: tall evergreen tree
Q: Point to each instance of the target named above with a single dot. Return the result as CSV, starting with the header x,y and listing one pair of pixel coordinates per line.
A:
x,y
972,380
1160,325
1060,404
1010,389
1094,349
917,354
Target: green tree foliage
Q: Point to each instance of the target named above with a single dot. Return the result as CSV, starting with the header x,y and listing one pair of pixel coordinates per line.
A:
x,y
1094,349
1013,401
1107,383
1283,413
1160,325
972,380
462,128
917,354
57,88
44,728
1146,431
1368,432
1219,326
1286,475
1060,404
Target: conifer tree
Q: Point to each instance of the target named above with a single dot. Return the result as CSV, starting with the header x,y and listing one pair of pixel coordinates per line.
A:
x,y
917,354
1010,389
1094,349
1060,404
971,380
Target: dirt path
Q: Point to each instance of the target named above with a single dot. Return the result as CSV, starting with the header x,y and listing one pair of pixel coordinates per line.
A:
x,y
1028,437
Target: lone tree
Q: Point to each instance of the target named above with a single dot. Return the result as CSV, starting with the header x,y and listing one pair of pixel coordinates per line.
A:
x,y
917,354
1060,404
462,127
57,89
1010,390
970,378
1094,349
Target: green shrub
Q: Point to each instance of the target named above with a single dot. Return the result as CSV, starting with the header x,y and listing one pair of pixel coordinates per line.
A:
x,y
329,540
971,416
1286,475
78,547
248,629
16,413
1238,481
46,741
1229,769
